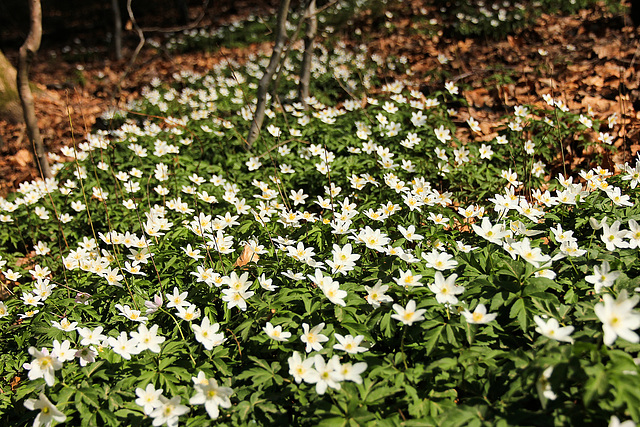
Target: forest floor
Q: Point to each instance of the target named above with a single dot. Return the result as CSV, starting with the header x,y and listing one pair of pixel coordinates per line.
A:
x,y
587,60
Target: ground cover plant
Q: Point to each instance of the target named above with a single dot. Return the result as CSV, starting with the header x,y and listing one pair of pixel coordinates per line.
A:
x,y
377,259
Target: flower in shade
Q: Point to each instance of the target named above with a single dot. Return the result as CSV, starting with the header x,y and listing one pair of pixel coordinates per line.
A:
x,y
552,329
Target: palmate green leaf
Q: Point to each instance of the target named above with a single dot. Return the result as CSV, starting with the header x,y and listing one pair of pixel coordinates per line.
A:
x,y
333,421
88,395
258,376
108,417
627,394
463,416
519,311
65,394
540,284
179,372
371,392
387,325
596,385
165,362
169,383
93,370
87,414
432,337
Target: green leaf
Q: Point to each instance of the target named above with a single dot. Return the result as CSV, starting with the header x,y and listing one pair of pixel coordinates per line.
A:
x,y
518,310
88,395
432,338
596,384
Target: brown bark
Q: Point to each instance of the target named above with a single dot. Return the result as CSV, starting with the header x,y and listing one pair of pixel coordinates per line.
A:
x,y
309,36
27,51
117,28
10,109
265,81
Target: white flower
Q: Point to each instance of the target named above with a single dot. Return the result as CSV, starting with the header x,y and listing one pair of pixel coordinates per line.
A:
x,y
618,318
275,333
64,325
409,233
43,365
544,387
479,315
602,277
352,372
407,278
313,338
446,290
191,312
131,314
302,370
349,343
177,299
4,311
493,233
439,260
63,351
408,314
533,256
334,294
207,335
615,422
148,339
376,294
168,411
329,374
153,306
551,329
148,398
123,346
91,337
451,88
48,412
612,236
212,396
266,284
373,239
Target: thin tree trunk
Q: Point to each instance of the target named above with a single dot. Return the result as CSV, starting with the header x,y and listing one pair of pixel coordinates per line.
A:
x,y
10,108
265,81
309,36
117,28
27,50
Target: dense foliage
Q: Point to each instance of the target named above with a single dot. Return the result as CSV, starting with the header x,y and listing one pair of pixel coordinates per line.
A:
x,y
379,260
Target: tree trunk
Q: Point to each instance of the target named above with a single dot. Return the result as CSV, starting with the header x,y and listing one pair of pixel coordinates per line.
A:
x,y
117,28
309,36
27,50
265,81
10,109
634,12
